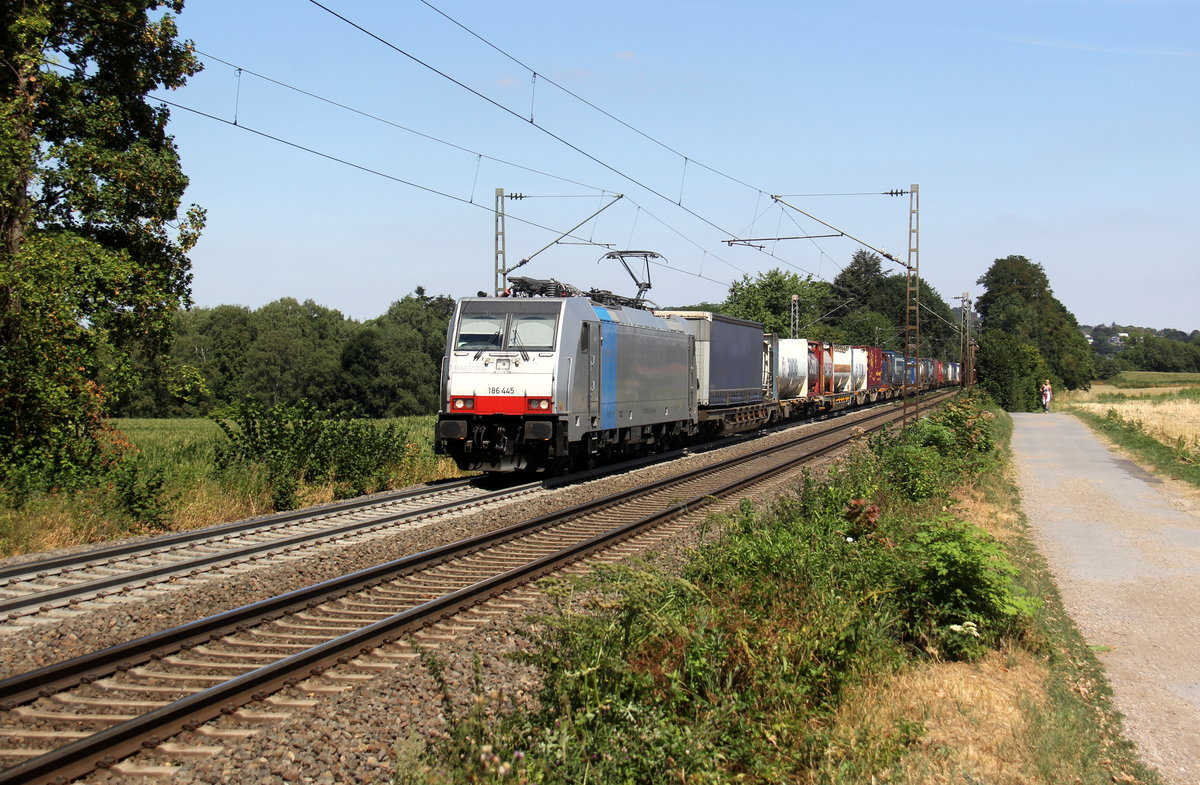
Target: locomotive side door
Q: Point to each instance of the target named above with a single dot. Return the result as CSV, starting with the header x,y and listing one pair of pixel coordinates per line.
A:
x,y
589,349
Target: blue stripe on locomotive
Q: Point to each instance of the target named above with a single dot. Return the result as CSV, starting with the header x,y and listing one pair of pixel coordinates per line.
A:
x,y
608,369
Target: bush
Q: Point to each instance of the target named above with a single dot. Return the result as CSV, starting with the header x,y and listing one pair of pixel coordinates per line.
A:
x,y
727,672
958,588
299,444
140,493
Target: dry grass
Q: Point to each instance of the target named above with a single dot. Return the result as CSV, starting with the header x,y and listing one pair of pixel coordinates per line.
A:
x,y
1099,389
193,494
1168,421
974,717
1173,421
207,504
1002,522
950,722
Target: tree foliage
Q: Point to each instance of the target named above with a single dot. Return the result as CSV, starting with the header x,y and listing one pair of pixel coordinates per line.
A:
x,y
1124,348
863,305
1018,301
92,252
1010,369
1151,353
767,298
289,353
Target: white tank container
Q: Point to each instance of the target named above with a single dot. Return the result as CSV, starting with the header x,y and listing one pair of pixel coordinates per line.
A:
x,y
841,369
796,367
858,369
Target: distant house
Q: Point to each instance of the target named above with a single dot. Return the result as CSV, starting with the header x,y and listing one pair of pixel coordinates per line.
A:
x,y
1119,339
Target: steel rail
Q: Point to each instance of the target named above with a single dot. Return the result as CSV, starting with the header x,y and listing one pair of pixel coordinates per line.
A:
x,y
151,573
49,679
31,568
107,746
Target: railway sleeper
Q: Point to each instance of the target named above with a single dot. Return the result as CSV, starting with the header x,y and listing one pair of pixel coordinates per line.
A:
x,y
150,689
144,673
80,700
179,750
35,715
239,667
225,733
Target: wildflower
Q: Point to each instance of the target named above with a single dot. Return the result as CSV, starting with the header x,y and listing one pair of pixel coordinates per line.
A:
x,y
966,628
503,769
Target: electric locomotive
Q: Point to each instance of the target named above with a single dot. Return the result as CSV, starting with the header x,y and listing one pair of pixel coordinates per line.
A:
x,y
533,383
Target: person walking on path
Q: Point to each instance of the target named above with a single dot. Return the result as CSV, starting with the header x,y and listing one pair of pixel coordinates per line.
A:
x,y
1047,393
1124,548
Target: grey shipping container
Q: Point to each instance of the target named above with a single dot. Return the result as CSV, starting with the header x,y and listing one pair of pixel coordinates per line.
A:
x,y
729,356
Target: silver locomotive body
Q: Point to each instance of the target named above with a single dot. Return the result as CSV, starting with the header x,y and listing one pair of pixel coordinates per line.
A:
x,y
545,383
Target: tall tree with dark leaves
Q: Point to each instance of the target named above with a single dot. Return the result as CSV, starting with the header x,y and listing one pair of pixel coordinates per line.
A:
x,y
1018,300
92,248
391,368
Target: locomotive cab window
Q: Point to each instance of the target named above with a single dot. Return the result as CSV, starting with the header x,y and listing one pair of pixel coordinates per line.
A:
x,y
533,331
480,331
511,325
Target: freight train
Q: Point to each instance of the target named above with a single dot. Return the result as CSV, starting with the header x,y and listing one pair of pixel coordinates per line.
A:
x,y
563,382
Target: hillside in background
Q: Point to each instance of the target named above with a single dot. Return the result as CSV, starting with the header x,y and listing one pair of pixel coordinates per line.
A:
x,y
1129,348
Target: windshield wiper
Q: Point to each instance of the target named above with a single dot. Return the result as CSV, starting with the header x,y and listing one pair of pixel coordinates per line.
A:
x,y
488,345
520,346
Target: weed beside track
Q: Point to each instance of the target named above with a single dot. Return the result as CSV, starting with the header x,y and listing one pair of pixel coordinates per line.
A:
x,y
860,629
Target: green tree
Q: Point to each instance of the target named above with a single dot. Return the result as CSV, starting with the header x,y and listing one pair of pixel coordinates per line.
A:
x,y
93,258
1018,301
1011,370
767,298
295,353
392,366
859,286
217,343
1151,353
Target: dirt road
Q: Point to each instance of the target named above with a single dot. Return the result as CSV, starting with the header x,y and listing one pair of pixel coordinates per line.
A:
x,y
1124,547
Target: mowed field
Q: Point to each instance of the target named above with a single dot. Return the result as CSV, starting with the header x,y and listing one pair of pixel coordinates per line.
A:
x,y
1161,405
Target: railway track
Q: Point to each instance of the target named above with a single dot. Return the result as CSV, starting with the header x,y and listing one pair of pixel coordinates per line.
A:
x,y
34,588
180,692
40,591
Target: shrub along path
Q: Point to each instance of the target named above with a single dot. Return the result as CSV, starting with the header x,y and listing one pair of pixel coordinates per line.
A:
x,y
1124,547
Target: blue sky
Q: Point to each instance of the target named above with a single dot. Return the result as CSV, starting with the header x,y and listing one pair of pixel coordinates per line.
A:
x,y
1061,130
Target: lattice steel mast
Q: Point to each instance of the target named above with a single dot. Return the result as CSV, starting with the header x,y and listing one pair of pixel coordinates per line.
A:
x,y
912,310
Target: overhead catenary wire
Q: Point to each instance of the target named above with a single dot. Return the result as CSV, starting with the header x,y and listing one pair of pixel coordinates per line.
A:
x,y
534,75
376,172
583,100
686,159
392,123
360,167
509,111
476,153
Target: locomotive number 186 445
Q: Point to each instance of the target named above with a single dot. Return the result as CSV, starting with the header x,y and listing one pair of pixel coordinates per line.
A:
x,y
501,390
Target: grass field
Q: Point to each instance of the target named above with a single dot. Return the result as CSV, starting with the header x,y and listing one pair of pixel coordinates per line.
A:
x,y
172,483
1139,379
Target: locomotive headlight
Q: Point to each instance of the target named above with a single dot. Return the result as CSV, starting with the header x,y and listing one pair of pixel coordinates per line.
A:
x,y
539,404
463,403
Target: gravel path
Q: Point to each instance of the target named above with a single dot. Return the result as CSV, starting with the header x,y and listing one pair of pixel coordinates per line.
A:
x,y
1124,547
